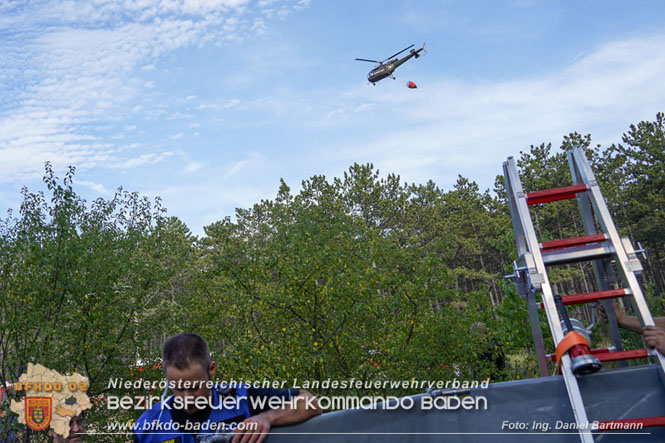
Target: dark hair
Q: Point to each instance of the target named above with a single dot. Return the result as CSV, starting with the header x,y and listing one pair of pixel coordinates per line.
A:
x,y
183,350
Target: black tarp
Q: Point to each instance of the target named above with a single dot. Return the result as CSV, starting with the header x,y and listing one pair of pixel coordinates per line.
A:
x,y
633,392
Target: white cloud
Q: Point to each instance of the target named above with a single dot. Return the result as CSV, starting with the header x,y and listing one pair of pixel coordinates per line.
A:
x,y
235,167
80,64
303,4
179,116
128,147
208,106
363,107
97,187
190,165
470,128
231,103
143,159
259,26
252,160
193,167
204,6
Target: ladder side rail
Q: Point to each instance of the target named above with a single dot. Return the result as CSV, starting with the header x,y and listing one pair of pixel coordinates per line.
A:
x,y
537,333
536,271
601,269
514,188
605,220
538,279
603,272
576,402
512,191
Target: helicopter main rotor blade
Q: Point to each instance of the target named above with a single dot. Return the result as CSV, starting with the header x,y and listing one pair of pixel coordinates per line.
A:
x,y
398,53
366,60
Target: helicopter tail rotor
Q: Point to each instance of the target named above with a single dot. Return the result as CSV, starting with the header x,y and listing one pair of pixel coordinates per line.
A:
x,y
417,53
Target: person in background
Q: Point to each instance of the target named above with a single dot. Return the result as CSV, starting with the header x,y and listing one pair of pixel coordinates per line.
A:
x,y
76,424
7,435
492,356
654,336
188,367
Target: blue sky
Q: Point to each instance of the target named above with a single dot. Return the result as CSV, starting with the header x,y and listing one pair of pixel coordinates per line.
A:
x,y
208,103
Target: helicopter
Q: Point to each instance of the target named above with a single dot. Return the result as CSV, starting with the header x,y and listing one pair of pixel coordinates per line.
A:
x,y
386,68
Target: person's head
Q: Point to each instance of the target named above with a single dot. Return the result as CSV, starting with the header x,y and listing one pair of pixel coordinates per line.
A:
x,y
186,359
76,425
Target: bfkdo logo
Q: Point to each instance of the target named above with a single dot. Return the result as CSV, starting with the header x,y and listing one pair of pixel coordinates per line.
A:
x,y
51,399
38,412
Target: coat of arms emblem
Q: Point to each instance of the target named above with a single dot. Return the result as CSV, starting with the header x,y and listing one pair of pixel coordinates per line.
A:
x,y
38,412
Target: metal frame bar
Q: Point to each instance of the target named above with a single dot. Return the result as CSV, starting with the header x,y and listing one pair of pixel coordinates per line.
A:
x,y
582,172
537,277
577,253
537,333
601,268
531,274
524,261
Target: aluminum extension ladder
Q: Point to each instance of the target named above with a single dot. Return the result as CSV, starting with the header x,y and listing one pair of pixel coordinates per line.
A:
x,y
530,274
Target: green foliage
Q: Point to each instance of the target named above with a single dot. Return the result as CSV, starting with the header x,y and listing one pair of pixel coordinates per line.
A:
x,y
349,278
640,162
81,287
362,276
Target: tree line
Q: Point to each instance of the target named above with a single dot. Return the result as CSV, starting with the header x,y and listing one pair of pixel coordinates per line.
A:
x,y
362,276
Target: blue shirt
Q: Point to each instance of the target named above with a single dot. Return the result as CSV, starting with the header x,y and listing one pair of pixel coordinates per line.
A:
x,y
167,424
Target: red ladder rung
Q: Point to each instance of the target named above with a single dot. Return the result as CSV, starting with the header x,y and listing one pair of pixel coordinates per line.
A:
x,y
590,297
613,425
594,351
622,355
555,194
570,242
605,354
